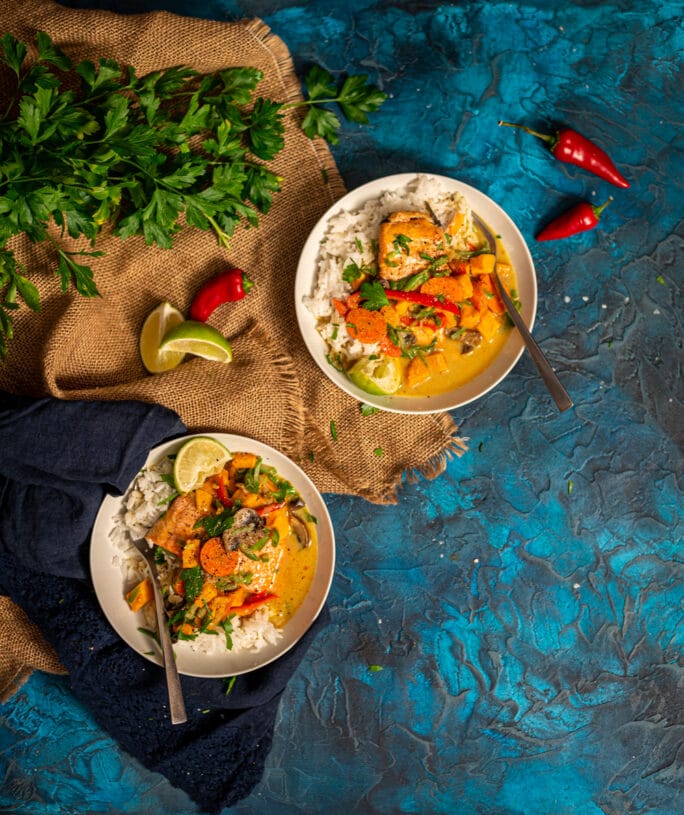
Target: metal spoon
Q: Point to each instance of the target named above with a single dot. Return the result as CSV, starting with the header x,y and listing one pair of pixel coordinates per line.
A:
x,y
559,394
556,389
176,702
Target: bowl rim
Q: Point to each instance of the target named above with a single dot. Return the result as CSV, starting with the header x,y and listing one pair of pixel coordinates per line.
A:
x,y
500,223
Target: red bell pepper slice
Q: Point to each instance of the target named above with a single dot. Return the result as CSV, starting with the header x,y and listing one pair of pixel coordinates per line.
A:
x,y
269,508
222,489
424,300
255,600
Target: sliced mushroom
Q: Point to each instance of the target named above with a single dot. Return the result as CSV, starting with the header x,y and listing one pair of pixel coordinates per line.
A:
x,y
245,531
300,529
470,340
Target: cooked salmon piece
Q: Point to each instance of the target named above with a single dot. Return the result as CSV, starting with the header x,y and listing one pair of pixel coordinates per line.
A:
x,y
405,237
247,535
176,525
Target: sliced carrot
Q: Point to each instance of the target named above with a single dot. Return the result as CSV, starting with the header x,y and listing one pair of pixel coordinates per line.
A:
x,y
353,300
388,348
366,326
453,289
215,560
340,306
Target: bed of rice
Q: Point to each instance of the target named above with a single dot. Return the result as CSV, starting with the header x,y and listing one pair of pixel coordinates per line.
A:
x,y
350,235
142,504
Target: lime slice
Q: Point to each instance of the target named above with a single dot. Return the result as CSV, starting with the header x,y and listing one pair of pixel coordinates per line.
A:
x,y
157,323
377,376
196,460
199,339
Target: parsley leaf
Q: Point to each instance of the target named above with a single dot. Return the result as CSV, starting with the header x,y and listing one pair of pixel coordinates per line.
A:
x,y
373,294
92,146
356,98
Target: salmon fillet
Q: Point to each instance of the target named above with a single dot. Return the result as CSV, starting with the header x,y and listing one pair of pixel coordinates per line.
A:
x,y
176,525
403,240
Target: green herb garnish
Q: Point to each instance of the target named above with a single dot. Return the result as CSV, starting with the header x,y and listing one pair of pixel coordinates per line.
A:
x,y
368,410
355,97
373,294
93,147
192,578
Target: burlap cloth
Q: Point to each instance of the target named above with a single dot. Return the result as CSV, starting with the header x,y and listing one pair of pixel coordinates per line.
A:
x,y
79,348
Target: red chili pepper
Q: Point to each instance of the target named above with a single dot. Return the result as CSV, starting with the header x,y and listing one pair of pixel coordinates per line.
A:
x,y
423,299
225,287
573,148
579,218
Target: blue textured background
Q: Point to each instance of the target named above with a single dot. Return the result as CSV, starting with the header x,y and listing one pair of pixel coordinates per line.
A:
x,y
526,607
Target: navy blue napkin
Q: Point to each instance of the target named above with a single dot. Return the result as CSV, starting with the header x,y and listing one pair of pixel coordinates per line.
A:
x,y
58,460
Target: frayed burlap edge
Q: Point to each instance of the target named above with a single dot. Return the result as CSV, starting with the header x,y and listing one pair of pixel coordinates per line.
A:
x,y
23,649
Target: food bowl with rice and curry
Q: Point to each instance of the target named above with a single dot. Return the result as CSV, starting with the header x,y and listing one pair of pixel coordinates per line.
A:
x,y
243,547
396,295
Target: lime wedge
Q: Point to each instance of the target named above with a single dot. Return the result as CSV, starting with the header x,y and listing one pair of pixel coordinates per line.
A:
x,y
377,376
157,323
196,460
198,339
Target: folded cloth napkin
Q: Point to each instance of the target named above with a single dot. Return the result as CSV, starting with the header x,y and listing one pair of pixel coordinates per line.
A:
x,y
58,461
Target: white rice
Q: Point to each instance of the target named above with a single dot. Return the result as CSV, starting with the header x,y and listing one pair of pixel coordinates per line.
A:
x,y
141,506
350,236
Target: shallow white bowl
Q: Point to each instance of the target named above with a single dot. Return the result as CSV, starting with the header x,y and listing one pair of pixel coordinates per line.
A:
x,y
515,245
108,578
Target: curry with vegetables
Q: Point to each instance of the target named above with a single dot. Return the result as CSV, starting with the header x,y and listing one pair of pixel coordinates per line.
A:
x,y
242,540
428,309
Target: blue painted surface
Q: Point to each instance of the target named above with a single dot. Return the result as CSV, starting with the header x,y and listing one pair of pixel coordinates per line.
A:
x,y
525,607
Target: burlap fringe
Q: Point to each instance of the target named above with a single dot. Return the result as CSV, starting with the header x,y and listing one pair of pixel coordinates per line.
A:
x,y
22,649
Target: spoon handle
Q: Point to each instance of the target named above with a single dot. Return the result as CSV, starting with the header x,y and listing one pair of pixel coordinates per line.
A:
x,y
559,394
176,702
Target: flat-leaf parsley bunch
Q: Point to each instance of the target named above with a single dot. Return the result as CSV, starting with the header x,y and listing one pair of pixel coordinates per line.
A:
x,y
83,146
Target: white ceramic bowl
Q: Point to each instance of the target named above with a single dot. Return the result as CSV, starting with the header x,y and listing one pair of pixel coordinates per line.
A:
x,y
108,578
515,245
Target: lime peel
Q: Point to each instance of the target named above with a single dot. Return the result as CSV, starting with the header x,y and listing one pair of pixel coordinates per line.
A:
x,y
198,459
198,339
380,377
157,323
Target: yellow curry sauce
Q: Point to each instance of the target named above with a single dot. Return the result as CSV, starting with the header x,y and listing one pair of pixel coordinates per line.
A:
x,y
462,367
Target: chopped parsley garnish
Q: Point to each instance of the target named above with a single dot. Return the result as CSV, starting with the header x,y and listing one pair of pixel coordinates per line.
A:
x,y
373,294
